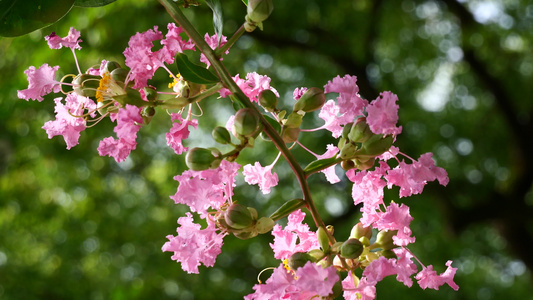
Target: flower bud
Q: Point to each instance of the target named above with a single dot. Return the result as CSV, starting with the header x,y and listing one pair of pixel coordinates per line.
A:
x,y
299,259
359,231
238,216
376,145
311,100
86,85
348,151
119,74
389,254
259,10
268,100
323,239
364,164
244,235
290,135
365,241
199,159
264,225
384,239
246,122
221,135
360,131
352,248
147,113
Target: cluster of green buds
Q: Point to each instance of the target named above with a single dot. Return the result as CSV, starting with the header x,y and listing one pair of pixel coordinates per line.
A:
x,y
242,221
257,12
359,146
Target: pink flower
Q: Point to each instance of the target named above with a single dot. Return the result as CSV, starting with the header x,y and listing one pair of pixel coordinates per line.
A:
x,y
194,246
331,177
128,124
41,82
201,190
140,58
411,178
252,86
310,280
285,239
298,92
428,278
179,132
330,114
262,176
383,114
364,290
350,103
66,124
402,267
173,44
212,41
72,40
397,218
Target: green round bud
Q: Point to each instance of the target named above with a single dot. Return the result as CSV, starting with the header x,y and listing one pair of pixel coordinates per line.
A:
x,y
259,10
299,259
376,145
268,100
199,159
290,135
238,216
311,100
246,122
384,239
352,249
119,74
221,135
360,131
264,225
359,231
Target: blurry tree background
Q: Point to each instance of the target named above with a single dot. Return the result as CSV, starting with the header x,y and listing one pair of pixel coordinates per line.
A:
x,y
74,225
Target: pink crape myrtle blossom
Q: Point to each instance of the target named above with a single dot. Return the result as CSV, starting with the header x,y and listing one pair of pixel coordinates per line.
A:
x,y
173,44
308,282
41,82
411,178
402,267
263,176
201,190
128,120
179,132
194,246
397,218
428,278
363,291
349,101
66,124
285,240
251,86
383,114
212,41
72,40
331,176
330,114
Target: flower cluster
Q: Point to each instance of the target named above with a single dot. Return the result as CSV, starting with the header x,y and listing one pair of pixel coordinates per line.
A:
x,y
312,263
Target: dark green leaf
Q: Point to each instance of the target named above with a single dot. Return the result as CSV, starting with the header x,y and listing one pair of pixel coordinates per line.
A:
x,y
193,72
320,164
19,17
92,3
287,208
245,2
218,19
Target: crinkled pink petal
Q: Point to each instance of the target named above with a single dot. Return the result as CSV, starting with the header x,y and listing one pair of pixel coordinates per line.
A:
x,y
383,114
179,132
428,278
331,177
298,93
173,44
140,58
397,218
349,101
128,124
72,40
330,114
363,291
316,280
41,82
280,285
212,41
285,240
194,246
263,176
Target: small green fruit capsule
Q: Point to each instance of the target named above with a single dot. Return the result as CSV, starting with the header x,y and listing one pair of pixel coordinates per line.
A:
x,y
238,216
199,159
360,131
246,122
259,10
299,259
268,100
352,248
323,239
384,239
221,135
311,100
359,231
264,225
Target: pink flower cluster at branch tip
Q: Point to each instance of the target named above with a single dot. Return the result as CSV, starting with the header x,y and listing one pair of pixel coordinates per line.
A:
x,y
72,40
383,114
307,282
128,124
179,132
251,86
69,120
212,41
295,237
263,176
41,82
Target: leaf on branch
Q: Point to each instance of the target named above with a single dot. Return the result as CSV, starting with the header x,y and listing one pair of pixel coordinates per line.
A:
x,y
287,208
218,18
19,17
319,165
92,3
193,72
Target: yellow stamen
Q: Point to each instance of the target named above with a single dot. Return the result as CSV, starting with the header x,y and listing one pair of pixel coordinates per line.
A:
x,y
102,87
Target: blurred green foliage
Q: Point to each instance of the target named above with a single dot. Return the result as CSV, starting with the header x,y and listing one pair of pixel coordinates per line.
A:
x,y
76,225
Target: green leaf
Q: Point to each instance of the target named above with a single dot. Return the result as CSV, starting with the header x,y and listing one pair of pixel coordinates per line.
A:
x,y
319,165
245,2
92,3
19,17
287,208
193,72
218,19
